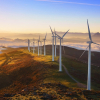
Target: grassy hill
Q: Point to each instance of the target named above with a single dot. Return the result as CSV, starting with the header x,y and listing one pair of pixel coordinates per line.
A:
x,y
78,67
24,75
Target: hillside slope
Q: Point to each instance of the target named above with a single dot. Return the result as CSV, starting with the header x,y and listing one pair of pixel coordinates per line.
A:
x,y
25,75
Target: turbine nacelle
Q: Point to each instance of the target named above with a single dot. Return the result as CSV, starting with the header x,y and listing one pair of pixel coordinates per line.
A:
x,y
60,38
53,36
89,41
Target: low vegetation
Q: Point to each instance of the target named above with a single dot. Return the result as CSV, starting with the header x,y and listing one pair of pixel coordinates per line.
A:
x,y
79,71
27,76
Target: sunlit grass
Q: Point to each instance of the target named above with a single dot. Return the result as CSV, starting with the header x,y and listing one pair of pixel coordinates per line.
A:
x,y
24,69
12,62
41,58
54,76
79,71
2,61
2,58
16,56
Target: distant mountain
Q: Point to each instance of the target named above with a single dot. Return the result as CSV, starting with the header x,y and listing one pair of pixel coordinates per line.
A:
x,y
96,37
69,37
5,39
18,40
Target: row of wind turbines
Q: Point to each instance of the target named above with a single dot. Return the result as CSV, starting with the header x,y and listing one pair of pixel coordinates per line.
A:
x,y
39,48
54,35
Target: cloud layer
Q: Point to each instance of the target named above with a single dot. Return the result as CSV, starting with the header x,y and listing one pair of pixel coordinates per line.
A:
x,y
70,2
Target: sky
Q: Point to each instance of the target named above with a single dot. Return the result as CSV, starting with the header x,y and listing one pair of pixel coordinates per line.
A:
x,y
35,16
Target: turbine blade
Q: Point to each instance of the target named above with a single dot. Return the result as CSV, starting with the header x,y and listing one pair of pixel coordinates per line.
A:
x,y
65,34
83,52
45,36
51,30
89,31
63,46
95,43
58,35
62,40
54,32
39,37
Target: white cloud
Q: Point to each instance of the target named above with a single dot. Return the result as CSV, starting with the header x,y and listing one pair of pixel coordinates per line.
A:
x,y
70,2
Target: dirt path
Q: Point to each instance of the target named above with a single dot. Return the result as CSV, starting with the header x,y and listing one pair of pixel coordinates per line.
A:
x,y
78,83
69,74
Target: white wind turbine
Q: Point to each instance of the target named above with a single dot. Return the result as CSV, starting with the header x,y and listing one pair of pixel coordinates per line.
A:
x,y
41,47
60,62
33,46
55,42
29,45
44,44
38,45
52,44
89,59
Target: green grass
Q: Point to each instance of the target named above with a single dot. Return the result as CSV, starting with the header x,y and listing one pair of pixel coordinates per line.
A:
x,y
79,71
76,68
53,75
23,69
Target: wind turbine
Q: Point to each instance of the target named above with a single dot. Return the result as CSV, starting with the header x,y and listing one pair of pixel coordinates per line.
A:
x,y
41,47
29,45
38,45
44,44
89,59
33,46
60,62
55,42
63,47
52,44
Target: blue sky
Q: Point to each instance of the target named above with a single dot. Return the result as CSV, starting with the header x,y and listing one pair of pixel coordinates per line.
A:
x,y
35,16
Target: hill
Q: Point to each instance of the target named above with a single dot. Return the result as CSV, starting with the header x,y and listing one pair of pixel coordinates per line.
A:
x,y
25,75
75,54
96,37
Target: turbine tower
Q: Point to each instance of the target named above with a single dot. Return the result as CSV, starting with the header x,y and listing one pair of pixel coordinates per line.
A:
x,y
89,59
60,53
52,44
38,45
41,47
33,46
28,45
55,42
44,44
